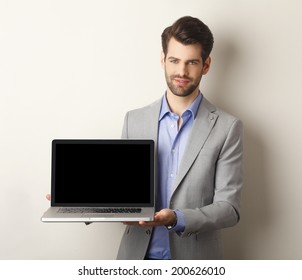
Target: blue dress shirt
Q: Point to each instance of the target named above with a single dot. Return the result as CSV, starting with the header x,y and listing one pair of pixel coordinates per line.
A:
x,y
172,141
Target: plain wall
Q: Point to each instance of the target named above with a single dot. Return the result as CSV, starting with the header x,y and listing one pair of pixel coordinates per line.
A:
x,y
71,69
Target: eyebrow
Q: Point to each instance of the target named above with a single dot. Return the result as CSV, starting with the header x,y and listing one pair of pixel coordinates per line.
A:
x,y
189,60
172,57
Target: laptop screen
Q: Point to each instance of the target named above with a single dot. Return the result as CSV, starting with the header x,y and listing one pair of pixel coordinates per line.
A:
x,y
105,173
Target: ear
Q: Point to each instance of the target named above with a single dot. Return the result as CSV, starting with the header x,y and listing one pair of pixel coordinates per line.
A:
x,y
162,59
206,66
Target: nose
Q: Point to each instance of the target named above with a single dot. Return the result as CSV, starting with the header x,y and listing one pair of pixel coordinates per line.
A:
x,y
182,69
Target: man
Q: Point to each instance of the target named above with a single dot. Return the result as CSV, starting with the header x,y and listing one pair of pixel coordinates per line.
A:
x,y
199,156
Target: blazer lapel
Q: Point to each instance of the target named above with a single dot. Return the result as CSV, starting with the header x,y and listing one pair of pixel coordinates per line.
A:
x,y
151,130
201,129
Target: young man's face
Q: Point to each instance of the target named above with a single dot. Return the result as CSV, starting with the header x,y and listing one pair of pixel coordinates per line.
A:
x,y
184,67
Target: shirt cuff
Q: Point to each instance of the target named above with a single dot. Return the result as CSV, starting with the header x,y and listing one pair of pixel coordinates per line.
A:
x,y
180,225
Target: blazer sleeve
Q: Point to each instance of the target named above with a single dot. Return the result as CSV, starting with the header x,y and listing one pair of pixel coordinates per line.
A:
x,y
125,127
224,211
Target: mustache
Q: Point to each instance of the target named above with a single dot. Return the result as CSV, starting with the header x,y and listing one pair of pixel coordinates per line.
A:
x,y
181,77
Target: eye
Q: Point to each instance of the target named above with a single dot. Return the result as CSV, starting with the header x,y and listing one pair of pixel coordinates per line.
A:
x,y
174,61
193,62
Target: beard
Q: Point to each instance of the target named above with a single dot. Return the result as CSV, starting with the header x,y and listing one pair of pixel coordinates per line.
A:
x,y
182,91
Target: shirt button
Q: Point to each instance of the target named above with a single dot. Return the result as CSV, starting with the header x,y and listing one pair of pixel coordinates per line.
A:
x,y
172,125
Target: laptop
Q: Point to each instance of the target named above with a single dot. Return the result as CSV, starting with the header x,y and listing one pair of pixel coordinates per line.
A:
x,y
102,180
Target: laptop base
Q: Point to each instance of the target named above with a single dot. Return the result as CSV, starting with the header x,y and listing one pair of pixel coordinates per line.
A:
x,y
52,215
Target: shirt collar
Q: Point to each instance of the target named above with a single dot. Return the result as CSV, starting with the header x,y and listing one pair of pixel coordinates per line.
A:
x,y
165,109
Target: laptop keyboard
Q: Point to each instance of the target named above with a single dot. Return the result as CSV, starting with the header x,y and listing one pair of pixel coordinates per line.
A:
x,y
99,210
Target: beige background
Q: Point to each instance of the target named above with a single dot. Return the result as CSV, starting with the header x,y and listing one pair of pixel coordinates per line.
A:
x,y
71,69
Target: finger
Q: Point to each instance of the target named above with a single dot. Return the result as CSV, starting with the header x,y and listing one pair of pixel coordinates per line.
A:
x,y
143,223
131,223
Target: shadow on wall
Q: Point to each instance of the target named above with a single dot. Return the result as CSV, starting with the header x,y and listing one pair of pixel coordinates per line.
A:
x,y
232,69
240,240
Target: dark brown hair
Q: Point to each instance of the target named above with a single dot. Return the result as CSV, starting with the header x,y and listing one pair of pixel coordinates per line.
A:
x,y
189,30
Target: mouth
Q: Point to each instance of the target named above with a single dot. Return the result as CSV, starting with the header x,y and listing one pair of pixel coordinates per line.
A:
x,y
181,81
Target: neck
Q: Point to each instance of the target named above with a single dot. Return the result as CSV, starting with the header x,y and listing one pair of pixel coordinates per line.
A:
x,y
179,104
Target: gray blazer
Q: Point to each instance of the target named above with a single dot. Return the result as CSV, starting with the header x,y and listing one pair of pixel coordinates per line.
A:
x,y
207,187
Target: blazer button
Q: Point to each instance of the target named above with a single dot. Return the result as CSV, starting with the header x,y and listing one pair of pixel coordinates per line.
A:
x,y
148,231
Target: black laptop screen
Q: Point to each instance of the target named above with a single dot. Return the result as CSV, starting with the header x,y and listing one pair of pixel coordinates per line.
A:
x,y
102,173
